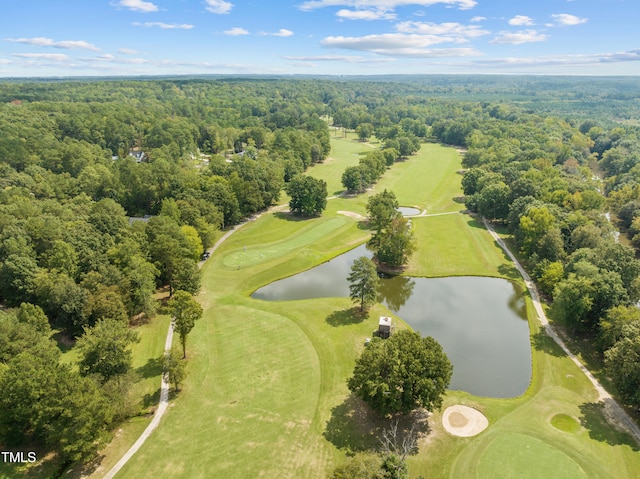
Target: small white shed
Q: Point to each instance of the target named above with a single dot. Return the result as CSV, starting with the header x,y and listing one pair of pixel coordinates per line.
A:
x,y
385,327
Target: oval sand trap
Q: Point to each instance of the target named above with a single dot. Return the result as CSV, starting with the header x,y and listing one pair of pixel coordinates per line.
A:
x,y
463,421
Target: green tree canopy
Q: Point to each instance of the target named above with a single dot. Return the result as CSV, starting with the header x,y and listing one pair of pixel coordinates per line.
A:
x,y
308,195
174,368
363,282
185,311
402,373
395,244
382,208
104,350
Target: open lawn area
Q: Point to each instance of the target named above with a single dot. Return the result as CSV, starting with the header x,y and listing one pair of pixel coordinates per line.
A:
x,y
266,394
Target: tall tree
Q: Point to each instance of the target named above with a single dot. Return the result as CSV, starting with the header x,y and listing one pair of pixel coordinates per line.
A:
x,y
174,368
363,282
395,243
402,373
105,349
308,195
382,209
185,311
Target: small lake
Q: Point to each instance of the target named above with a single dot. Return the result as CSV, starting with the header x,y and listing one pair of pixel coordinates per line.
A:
x,y
408,211
480,322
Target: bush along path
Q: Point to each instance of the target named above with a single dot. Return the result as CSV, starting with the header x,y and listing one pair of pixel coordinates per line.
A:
x,y
164,387
615,412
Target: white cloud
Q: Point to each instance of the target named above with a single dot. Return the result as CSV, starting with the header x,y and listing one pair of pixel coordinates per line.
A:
x,y
521,20
567,19
455,31
283,32
365,14
128,51
48,42
517,38
236,31
58,57
384,4
398,44
478,19
164,26
218,6
138,5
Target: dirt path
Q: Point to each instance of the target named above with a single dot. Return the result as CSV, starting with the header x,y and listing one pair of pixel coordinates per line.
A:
x,y
616,413
164,387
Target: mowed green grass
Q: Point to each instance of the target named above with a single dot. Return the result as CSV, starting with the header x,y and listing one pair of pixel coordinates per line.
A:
x,y
345,151
456,245
427,180
266,395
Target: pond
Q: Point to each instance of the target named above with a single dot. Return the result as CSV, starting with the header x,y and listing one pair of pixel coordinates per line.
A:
x,y
408,211
480,322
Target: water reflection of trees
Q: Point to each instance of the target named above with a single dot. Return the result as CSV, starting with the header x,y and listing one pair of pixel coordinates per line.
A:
x,y
517,303
395,291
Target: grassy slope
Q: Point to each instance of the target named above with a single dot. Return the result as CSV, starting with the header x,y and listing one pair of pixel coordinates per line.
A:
x,y
266,394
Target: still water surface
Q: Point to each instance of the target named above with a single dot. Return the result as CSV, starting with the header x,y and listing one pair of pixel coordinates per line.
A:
x,y
480,322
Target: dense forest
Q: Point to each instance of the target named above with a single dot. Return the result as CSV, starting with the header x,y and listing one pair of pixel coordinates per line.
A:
x,y
111,189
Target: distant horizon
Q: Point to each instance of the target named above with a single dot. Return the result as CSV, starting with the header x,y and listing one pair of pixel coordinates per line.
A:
x,y
305,75
129,38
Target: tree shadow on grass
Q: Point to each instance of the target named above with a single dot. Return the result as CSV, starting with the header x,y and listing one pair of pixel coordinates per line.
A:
x,y
151,369
150,400
543,342
288,216
355,427
508,270
346,317
594,419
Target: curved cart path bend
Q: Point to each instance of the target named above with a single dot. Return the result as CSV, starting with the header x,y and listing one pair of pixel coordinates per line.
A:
x,y
164,388
615,412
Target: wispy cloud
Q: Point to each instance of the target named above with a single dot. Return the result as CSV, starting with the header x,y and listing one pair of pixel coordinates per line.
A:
x,y
218,6
128,51
521,20
164,26
339,58
48,42
566,19
383,4
58,57
398,44
138,5
236,31
366,14
454,32
563,60
478,19
517,38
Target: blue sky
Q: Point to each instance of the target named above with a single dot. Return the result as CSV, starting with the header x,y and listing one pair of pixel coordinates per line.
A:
x,y
337,37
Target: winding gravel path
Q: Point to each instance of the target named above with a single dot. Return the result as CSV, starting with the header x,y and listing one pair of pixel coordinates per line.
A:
x,y
615,412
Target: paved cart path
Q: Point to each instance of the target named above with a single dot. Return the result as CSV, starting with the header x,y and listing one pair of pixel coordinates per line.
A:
x,y
164,388
613,409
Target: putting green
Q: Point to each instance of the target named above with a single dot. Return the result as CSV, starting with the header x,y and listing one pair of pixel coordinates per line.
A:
x,y
565,423
514,455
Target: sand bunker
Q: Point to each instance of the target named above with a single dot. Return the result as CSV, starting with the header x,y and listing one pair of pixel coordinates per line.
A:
x,y
463,421
351,214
